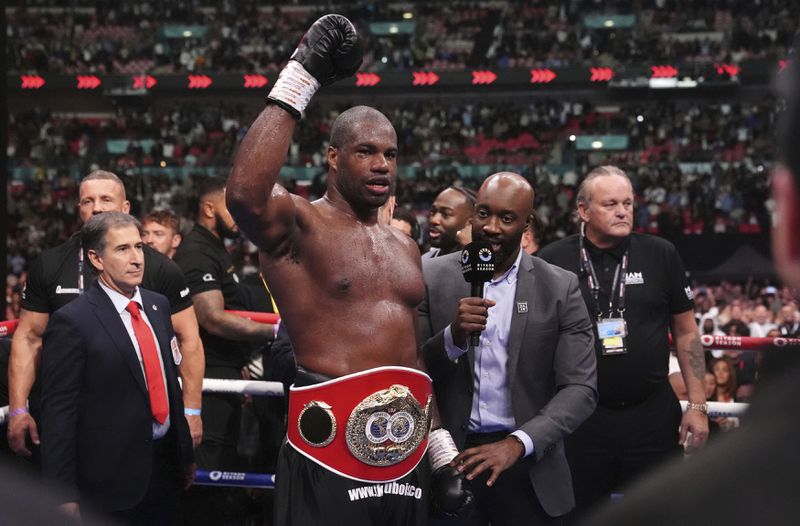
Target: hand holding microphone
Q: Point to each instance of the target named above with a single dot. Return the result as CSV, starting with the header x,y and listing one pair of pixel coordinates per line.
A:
x,y
477,265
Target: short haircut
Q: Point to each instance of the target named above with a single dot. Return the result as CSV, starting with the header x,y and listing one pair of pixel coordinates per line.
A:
x,y
342,131
207,187
401,214
166,218
468,194
93,233
103,175
584,196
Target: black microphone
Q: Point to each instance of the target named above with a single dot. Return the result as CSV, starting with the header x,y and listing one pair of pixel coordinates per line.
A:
x,y
477,265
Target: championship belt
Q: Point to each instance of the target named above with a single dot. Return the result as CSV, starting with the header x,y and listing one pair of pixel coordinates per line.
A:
x,y
370,426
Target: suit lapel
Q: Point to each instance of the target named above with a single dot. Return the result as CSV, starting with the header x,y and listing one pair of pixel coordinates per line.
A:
x,y
112,323
519,320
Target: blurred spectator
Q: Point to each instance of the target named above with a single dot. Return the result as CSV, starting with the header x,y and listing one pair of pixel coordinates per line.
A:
x,y
405,221
221,35
161,230
725,391
762,322
789,321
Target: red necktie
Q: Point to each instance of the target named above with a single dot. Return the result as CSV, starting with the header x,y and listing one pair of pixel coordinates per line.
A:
x,y
152,365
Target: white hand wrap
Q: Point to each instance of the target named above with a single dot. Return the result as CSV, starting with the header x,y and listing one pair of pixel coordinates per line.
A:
x,y
441,448
295,86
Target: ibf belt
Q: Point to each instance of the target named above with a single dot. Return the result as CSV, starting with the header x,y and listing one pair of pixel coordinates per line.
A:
x,y
370,426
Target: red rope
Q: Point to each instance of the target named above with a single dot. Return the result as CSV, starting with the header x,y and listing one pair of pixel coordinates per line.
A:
x,y
7,328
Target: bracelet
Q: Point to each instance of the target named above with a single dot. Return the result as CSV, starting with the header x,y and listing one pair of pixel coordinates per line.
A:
x,y
703,408
191,412
18,411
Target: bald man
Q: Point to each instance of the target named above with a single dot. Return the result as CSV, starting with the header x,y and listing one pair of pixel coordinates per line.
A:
x,y
511,400
347,285
760,461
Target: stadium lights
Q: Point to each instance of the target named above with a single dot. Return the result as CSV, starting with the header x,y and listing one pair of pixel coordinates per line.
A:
x,y
367,79
609,23
408,15
424,78
597,144
542,76
640,118
483,77
255,81
572,138
31,82
663,72
144,82
199,81
601,74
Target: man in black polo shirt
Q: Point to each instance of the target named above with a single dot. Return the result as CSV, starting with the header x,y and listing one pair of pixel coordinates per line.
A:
x,y
228,340
58,276
635,288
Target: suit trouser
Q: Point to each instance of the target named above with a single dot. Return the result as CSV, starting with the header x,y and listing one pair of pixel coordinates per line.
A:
x,y
511,500
160,505
615,446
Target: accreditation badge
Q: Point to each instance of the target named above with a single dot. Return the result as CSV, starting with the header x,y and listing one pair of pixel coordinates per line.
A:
x,y
612,333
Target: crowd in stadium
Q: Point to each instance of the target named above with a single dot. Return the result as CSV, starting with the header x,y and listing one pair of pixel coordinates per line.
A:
x,y
698,166
687,160
223,35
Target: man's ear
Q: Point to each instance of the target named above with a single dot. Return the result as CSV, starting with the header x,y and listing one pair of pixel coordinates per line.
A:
x,y
176,240
208,208
95,260
583,212
126,206
333,158
785,238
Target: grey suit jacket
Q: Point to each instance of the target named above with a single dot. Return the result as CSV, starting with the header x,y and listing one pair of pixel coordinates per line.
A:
x,y
551,364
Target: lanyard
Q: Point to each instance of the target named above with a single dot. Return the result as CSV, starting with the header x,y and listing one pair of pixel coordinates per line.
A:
x,y
80,268
594,283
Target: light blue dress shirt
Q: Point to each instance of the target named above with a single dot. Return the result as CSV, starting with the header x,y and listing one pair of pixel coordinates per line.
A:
x,y
491,402
121,306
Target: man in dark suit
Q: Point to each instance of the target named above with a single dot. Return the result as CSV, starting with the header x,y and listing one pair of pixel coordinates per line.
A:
x,y
511,400
114,436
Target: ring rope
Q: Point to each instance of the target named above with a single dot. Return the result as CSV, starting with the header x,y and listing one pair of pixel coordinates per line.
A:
x,y
709,342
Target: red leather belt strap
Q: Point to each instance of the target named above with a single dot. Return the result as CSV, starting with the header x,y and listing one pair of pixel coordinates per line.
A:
x,y
386,409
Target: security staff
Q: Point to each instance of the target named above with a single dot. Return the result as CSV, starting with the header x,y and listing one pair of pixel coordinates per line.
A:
x,y
448,226
59,276
228,340
634,286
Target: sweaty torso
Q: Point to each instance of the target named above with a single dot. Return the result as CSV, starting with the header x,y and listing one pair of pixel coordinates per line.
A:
x,y
347,292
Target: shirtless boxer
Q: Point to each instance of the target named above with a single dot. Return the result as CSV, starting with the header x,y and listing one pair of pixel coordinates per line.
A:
x,y
347,287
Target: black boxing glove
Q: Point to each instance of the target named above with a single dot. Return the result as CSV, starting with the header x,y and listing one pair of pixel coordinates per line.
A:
x,y
329,51
449,494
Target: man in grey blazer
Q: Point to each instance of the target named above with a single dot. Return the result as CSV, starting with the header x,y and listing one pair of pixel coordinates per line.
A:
x,y
530,382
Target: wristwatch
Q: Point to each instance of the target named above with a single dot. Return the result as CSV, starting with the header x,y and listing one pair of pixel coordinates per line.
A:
x,y
703,408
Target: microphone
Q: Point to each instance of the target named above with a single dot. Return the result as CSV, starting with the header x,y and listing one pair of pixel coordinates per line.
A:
x,y
477,265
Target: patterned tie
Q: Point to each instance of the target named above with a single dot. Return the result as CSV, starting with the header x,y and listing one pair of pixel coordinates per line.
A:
x,y
152,365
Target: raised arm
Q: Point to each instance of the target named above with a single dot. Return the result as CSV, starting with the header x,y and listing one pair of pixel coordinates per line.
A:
x,y
262,208
329,51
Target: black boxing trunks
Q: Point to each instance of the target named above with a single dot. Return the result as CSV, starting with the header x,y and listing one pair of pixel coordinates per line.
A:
x,y
371,426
